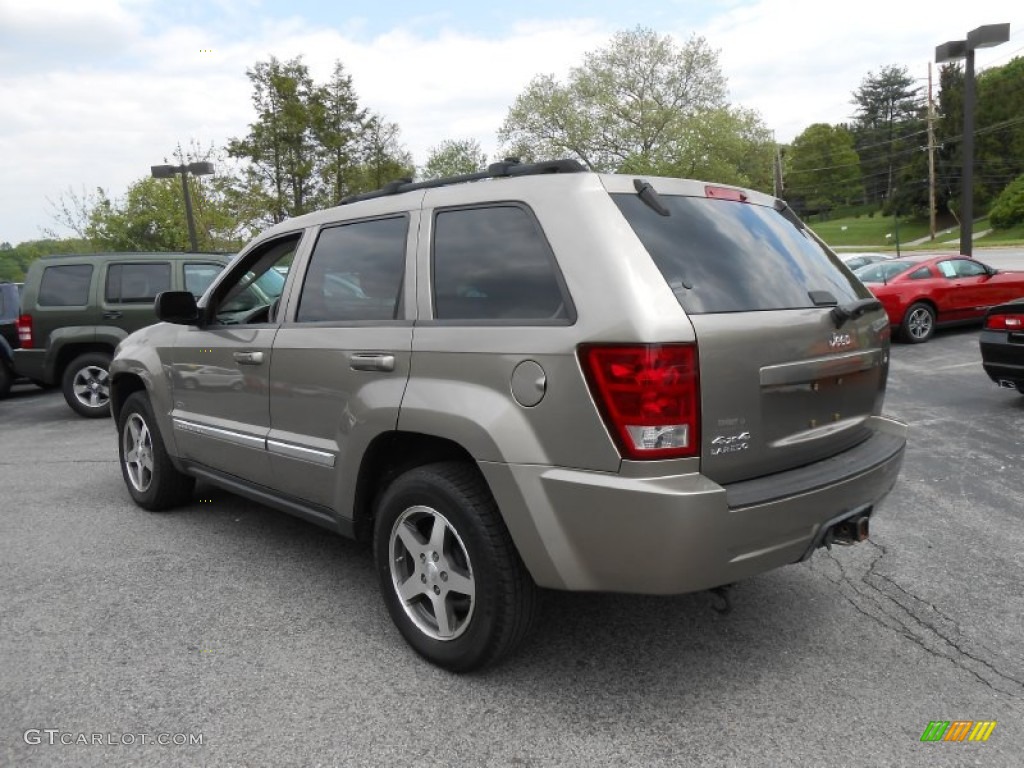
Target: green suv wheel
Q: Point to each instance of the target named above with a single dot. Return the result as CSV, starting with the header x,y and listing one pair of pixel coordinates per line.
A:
x,y
152,479
86,385
449,572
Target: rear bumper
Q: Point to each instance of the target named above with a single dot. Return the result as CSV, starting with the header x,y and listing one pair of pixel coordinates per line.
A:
x,y
581,530
1002,359
31,363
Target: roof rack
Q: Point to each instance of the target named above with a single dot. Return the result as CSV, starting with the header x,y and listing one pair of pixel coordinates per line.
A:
x,y
510,166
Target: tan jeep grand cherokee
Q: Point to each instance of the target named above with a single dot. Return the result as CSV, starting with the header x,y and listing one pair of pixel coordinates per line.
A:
x,y
533,376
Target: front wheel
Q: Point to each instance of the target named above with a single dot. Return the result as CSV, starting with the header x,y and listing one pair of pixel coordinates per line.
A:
x,y
152,479
86,385
449,573
919,323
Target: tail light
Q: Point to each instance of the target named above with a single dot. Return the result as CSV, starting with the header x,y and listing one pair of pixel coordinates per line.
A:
x,y
25,331
1005,322
648,395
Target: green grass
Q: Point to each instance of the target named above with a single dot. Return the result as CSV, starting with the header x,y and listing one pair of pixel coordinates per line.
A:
x,y
870,232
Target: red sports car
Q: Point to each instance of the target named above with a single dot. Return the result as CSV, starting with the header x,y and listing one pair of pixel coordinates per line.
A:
x,y
920,293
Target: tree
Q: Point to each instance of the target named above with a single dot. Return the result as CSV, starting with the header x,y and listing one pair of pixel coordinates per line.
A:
x,y
280,146
823,169
1008,209
337,126
890,135
151,214
381,156
453,157
643,104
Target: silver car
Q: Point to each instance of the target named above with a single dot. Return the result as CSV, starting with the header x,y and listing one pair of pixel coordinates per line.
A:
x,y
535,376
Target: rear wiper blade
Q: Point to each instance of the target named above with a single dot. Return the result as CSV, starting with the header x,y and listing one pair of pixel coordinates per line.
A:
x,y
854,309
650,196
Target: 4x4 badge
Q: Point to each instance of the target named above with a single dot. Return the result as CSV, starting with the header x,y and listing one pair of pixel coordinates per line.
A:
x,y
839,340
730,443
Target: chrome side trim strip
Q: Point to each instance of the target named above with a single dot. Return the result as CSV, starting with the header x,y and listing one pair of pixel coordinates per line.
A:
x,y
292,451
227,435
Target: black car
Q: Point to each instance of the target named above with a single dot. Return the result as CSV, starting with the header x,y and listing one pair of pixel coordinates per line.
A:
x,y
10,300
1002,344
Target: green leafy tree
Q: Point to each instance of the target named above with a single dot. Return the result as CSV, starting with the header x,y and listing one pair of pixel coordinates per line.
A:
x,y
382,158
1008,209
453,157
823,169
281,147
14,259
150,216
642,103
890,132
338,124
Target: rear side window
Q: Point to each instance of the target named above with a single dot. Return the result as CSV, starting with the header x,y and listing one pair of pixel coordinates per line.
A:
x,y
199,276
494,263
136,283
65,286
355,273
725,256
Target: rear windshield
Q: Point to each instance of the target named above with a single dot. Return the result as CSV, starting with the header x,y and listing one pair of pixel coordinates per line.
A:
x,y
725,256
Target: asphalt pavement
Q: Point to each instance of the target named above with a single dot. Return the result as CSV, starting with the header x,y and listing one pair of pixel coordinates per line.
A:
x,y
265,638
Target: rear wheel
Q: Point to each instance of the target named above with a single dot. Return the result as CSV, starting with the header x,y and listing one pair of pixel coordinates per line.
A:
x,y
919,323
449,573
86,385
152,479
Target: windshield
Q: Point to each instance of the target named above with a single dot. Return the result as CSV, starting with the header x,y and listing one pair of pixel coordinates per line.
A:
x,y
883,271
726,256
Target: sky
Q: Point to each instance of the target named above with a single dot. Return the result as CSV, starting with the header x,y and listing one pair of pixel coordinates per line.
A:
x,y
94,92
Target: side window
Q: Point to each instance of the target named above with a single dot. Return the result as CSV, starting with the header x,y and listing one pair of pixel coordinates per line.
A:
x,y
199,276
947,269
965,268
494,263
136,283
65,286
921,273
355,272
251,293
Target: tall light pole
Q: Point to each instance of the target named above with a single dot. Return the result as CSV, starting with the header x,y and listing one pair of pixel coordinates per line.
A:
x,y
982,37
196,169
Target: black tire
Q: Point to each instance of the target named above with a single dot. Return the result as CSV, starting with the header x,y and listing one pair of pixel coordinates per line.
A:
x,y
918,323
1020,388
6,379
475,549
86,385
152,479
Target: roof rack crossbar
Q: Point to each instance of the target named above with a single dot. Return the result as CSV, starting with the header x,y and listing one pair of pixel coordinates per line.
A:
x,y
508,167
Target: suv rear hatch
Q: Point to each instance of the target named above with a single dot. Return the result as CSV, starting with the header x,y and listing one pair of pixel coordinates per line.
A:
x,y
786,379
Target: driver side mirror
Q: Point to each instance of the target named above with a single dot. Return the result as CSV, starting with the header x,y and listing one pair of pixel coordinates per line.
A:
x,y
178,307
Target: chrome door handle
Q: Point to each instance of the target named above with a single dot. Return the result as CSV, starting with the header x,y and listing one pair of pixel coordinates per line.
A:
x,y
112,314
248,358
372,361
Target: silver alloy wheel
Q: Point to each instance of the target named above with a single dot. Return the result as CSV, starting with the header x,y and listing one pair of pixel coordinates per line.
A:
x,y
431,573
137,443
919,324
91,386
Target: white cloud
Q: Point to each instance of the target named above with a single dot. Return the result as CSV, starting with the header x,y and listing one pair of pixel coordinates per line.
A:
x,y
100,95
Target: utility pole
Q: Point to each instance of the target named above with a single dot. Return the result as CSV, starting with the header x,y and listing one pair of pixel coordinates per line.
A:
x,y
777,175
931,156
